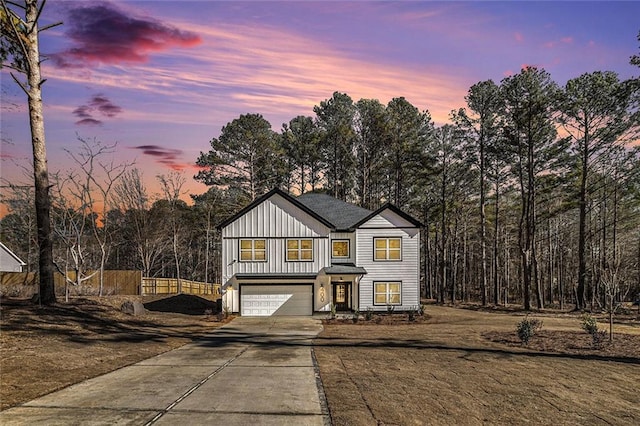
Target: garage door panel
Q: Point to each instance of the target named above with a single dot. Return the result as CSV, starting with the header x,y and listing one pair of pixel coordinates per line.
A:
x,y
276,299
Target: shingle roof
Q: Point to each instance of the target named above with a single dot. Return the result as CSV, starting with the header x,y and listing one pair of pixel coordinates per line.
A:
x,y
336,214
341,214
344,270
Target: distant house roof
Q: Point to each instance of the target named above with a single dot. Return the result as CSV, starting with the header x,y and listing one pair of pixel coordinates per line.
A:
x,y
341,214
9,260
332,212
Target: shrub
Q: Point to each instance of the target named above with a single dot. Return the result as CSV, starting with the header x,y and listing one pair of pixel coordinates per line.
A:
x,y
421,309
589,324
356,316
527,328
333,311
368,314
412,314
390,309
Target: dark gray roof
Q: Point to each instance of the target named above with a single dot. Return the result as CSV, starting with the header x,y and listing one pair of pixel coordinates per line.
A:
x,y
341,214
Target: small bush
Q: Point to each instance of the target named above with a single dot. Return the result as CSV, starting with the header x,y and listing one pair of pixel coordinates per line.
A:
x,y
390,309
589,324
333,311
412,314
356,316
421,309
527,328
368,314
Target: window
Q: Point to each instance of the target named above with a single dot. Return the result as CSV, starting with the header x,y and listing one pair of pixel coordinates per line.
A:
x,y
387,248
253,250
340,248
387,293
300,250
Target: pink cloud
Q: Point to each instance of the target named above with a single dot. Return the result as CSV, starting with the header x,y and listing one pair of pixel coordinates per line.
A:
x,y
171,158
518,37
99,104
103,34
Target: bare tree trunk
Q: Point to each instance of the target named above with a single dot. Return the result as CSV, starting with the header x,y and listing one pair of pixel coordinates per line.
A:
x,y
582,228
483,226
496,289
40,170
443,244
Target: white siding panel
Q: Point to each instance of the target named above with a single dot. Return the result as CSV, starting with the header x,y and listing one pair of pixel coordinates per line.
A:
x,y
274,220
407,271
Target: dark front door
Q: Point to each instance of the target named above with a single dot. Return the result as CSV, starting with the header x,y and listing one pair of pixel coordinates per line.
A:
x,y
342,296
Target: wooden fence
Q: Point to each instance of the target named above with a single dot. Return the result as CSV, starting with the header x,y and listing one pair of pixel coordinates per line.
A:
x,y
152,286
24,284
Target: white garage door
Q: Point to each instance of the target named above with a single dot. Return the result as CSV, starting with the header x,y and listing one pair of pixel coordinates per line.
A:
x,y
272,299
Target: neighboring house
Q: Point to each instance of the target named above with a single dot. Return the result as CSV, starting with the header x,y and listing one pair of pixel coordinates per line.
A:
x,y
285,255
9,262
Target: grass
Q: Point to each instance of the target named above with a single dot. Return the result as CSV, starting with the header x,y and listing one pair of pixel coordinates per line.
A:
x,y
469,367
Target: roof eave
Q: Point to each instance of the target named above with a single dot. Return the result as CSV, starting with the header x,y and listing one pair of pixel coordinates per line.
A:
x,y
415,222
265,197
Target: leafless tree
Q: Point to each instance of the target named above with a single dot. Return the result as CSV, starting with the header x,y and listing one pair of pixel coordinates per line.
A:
x,y
131,198
171,185
94,188
72,214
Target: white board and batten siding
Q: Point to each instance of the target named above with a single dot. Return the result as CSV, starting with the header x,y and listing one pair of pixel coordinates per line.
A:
x,y
274,220
388,224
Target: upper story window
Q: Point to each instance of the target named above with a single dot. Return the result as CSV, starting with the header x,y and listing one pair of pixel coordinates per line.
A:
x,y
387,249
253,250
340,249
300,250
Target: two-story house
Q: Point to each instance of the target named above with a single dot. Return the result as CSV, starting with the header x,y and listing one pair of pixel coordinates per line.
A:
x,y
285,255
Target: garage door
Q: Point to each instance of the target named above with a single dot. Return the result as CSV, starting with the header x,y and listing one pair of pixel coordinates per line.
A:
x,y
267,300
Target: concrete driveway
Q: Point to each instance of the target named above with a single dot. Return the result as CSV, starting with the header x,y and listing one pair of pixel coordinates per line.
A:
x,y
257,371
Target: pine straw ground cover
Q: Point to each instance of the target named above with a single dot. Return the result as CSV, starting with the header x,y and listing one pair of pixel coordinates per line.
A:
x,y
43,349
463,366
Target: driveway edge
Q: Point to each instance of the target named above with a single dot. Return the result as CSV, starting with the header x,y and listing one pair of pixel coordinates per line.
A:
x,y
324,405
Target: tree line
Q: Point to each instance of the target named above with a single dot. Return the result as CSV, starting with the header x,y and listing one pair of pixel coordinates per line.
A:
x,y
530,194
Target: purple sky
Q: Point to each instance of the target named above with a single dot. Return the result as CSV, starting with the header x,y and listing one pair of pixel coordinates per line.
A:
x,y
161,78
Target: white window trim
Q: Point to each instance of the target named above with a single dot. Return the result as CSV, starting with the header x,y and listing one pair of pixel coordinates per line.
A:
x,y
252,250
299,249
387,249
387,293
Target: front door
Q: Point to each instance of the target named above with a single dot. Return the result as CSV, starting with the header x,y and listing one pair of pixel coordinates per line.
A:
x,y
342,296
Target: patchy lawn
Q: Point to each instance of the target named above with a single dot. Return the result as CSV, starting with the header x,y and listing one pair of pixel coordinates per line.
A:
x,y
462,366
453,366
43,349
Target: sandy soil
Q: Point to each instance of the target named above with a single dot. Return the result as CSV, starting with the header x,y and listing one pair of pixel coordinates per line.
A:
x,y
461,366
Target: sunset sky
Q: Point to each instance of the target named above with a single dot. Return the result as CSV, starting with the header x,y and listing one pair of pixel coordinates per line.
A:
x,y
161,78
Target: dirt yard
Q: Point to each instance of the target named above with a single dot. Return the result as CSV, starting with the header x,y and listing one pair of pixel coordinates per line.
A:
x,y
461,366
453,366
48,348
